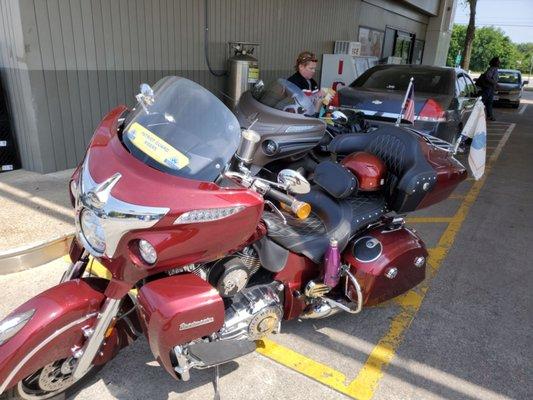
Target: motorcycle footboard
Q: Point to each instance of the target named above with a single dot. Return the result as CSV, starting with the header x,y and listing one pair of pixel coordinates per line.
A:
x,y
215,353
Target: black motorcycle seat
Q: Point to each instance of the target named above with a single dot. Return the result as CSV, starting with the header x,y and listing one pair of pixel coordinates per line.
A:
x,y
330,219
366,208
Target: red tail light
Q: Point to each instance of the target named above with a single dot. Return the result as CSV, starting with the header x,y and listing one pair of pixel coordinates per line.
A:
x,y
432,111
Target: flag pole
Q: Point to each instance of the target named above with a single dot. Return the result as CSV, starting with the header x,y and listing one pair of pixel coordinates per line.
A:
x,y
399,119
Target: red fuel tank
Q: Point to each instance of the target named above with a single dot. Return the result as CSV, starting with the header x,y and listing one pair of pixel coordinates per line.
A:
x,y
386,262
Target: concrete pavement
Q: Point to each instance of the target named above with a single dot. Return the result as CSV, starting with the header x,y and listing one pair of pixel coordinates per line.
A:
x,y
465,333
33,208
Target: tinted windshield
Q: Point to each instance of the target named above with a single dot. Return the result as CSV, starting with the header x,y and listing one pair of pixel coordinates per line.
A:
x,y
508,77
286,96
183,130
397,78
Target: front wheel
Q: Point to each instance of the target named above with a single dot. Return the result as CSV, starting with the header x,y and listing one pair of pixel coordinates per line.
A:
x,y
53,381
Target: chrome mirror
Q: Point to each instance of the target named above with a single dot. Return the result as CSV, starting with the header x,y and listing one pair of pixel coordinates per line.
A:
x,y
339,116
146,90
146,97
258,87
293,181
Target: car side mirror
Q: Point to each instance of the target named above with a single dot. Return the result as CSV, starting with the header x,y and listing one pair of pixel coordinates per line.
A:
x,y
525,83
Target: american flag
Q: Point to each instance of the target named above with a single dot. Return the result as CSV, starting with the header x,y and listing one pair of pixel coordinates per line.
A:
x,y
409,105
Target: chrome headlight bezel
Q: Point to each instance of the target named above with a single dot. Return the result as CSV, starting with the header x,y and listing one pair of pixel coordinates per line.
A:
x,y
115,217
12,324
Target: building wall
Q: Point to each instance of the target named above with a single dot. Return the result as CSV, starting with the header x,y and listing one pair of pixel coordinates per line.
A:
x,y
439,33
379,14
67,62
16,84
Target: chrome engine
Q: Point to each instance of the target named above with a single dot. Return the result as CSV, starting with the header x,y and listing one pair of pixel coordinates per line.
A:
x,y
251,314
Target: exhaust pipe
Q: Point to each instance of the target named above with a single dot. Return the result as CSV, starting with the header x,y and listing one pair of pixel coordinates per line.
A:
x,y
323,307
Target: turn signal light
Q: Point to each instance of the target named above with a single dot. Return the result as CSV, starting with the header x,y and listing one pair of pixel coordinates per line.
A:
x,y
206,215
301,209
298,208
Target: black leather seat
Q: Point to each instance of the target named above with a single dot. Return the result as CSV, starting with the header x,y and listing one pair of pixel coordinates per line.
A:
x,y
330,219
366,208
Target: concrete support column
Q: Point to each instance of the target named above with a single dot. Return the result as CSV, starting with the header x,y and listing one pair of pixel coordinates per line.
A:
x,y
439,33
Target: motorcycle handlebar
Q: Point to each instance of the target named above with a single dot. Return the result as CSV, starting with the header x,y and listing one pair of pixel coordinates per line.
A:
x,y
300,208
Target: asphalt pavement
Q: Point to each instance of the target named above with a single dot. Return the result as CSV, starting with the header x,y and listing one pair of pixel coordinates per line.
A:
x,y
464,333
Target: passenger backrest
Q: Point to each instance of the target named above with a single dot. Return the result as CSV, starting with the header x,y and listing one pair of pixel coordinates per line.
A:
x,y
409,177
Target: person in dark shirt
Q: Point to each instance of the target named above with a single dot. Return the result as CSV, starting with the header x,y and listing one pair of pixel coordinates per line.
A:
x,y
305,69
489,86
303,78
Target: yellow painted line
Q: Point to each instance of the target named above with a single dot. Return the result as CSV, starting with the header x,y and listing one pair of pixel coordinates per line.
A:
x,y
96,268
456,196
312,369
426,220
367,380
364,385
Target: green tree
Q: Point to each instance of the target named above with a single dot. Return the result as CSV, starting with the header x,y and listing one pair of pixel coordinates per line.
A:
x,y
490,42
456,44
470,34
525,54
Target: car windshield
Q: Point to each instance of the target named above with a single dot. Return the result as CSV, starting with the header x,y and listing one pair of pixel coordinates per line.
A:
x,y
182,129
508,77
429,80
286,96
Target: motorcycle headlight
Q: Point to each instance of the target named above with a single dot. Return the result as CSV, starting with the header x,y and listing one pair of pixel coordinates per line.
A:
x,y
147,251
11,325
92,230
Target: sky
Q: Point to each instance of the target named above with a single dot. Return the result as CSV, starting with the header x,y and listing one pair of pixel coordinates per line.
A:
x,y
514,17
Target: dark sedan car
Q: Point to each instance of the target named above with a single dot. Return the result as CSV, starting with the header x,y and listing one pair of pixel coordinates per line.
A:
x,y
444,97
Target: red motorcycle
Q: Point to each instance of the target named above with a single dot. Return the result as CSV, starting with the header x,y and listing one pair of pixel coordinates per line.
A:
x,y
206,255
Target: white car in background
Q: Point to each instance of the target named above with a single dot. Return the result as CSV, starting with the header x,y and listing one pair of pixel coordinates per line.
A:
x,y
510,86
